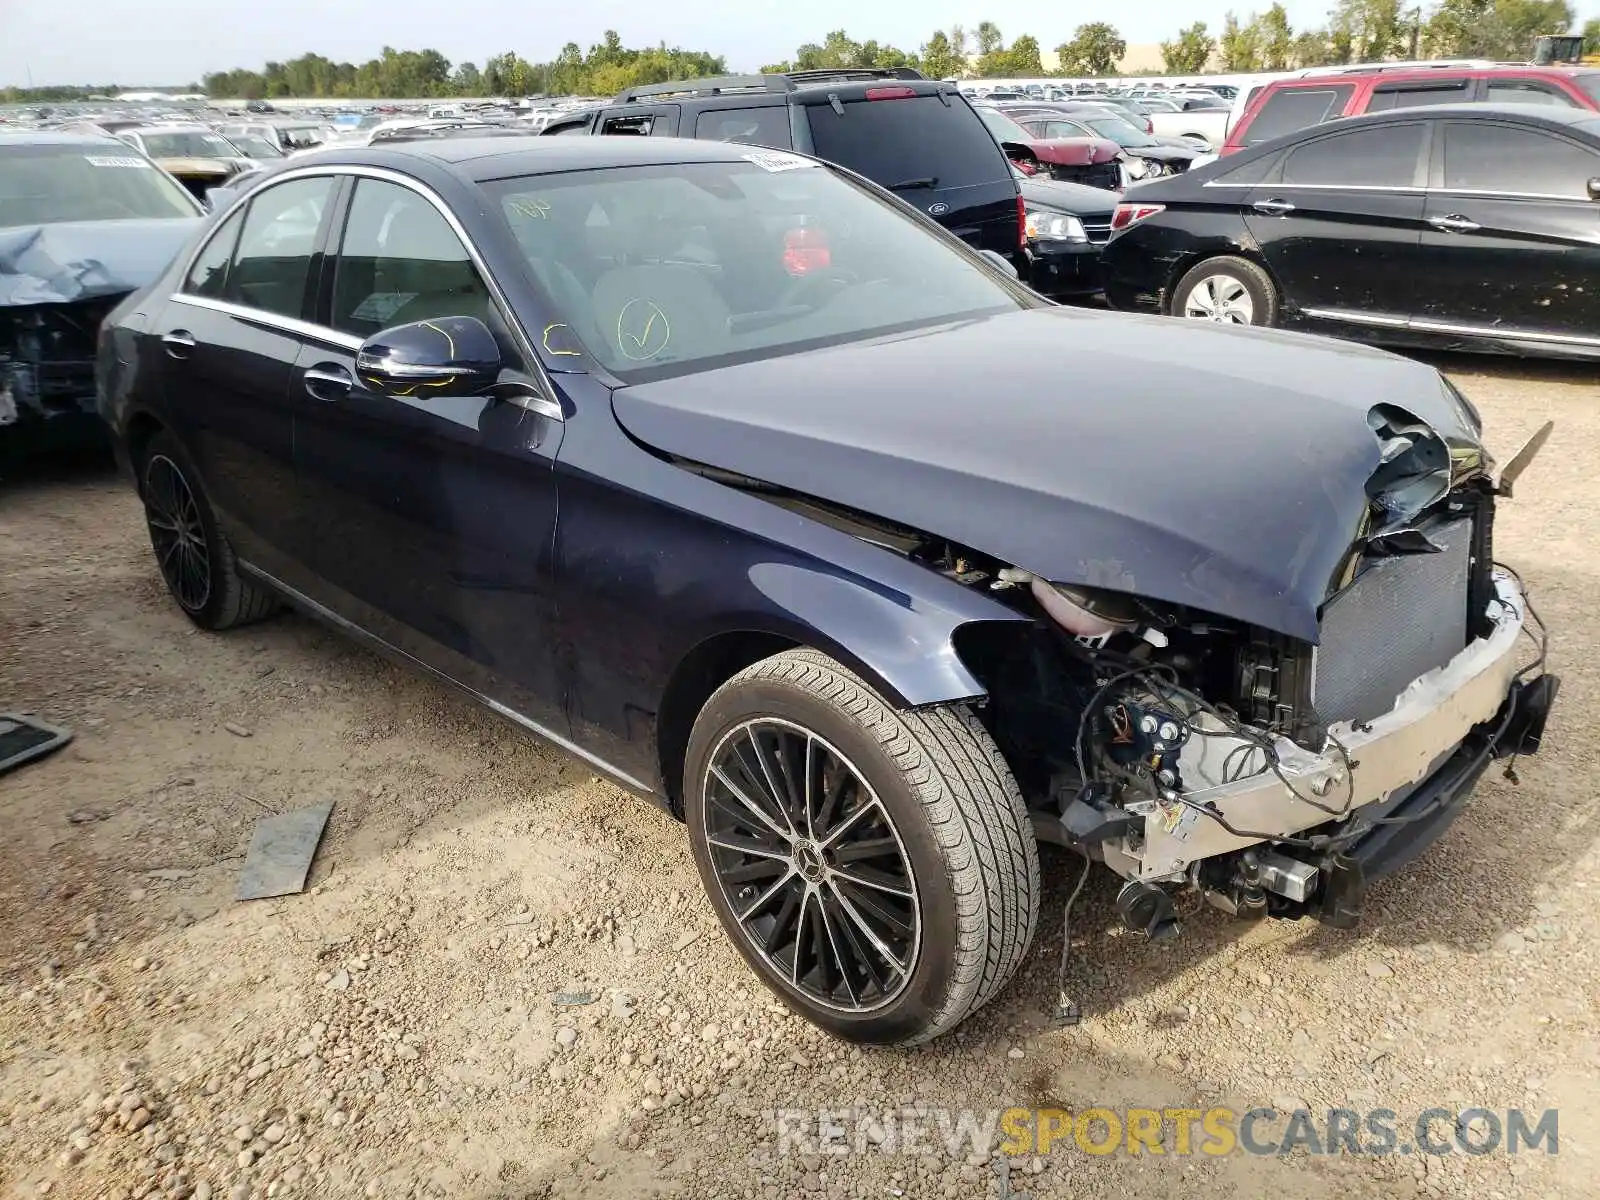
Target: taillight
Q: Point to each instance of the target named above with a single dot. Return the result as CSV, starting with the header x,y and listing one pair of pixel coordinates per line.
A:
x,y
1127,216
1149,125
1022,223
805,250
1026,167
891,93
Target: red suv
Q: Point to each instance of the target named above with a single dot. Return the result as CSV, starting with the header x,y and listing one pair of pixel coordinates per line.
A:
x,y
1287,105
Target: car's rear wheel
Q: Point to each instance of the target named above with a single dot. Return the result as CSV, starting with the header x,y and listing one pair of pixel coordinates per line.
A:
x,y
1227,291
875,867
194,557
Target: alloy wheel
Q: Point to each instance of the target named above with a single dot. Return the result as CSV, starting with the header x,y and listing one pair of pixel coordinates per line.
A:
x,y
177,533
812,868
1220,298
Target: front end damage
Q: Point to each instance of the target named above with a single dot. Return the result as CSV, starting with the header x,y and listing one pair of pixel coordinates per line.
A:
x,y
1270,775
47,388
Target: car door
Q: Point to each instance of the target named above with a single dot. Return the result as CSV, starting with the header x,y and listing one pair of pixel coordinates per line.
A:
x,y
1512,239
434,515
1341,225
231,335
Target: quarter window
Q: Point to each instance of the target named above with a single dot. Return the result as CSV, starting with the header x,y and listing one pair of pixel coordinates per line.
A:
x,y
768,126
399,261
1296,108
209,274
1503,158
1383,157
274,258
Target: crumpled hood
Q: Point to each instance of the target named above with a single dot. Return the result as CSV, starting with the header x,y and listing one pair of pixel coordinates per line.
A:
x,y
1074,152
55,264
1193,463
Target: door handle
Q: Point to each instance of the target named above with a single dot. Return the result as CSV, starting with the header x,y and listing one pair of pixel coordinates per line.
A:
x,y
1273,208
329,381
178,343
1454,223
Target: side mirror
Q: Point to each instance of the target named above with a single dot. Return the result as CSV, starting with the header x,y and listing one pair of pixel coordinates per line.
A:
x,y
445,356
1594,189
1001,262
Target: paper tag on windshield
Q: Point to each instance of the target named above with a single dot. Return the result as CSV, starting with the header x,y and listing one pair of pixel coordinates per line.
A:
x,y
777,160
107,160
380,306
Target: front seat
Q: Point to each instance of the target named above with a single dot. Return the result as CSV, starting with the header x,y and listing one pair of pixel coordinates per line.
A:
x,y
660,314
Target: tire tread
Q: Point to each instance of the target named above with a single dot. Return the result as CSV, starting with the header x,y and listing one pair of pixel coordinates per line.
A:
x,y
974,808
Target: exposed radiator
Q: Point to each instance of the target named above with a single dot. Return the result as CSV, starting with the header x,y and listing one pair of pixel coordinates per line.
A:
x,y
1402,617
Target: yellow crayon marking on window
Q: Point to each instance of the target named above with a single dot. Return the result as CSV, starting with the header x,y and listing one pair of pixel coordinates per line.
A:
x,y
652,340
548,330
535,209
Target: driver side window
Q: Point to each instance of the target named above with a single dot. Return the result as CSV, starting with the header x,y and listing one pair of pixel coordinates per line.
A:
x,y
400,261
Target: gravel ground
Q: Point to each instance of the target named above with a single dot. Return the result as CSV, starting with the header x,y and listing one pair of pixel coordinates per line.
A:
x,y
394,1031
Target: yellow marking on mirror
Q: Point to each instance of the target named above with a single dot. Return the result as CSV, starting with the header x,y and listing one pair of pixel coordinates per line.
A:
x,y
449,341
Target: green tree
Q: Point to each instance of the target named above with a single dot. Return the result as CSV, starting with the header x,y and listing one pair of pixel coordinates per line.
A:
x,y
1591,35
1239,45
1275,38
1492,28
1024,55
1311,49
468,80
939,58
1188,53
989,38
1367,30
1095,49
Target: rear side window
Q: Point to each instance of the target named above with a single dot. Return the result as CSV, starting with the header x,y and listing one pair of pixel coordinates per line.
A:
x,y
1454,91
765,126
1296,108
1503,158
636,126
918,137
1385,157
269,271
1525,91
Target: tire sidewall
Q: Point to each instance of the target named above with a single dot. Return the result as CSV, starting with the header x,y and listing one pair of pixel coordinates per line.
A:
x,y
209,615
932,974
1263,298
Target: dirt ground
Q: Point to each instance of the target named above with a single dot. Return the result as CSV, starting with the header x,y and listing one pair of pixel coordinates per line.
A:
x,y
394,1031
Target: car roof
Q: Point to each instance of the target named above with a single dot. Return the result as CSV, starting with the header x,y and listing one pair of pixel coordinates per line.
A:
x,y
1541,114
480,158
52,137
1412,74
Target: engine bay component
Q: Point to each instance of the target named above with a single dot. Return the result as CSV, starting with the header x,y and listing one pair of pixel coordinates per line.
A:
x,y
1083,614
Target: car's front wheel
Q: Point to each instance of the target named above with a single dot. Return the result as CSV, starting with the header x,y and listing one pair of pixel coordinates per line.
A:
x,y
194,557
1227,291
875,867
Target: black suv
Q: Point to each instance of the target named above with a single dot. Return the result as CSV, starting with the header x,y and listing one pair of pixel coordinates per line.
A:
x,y
917,137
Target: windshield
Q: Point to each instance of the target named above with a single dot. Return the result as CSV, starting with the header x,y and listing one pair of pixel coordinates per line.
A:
x,y
44,185
1119,131
667,270
256,146
187,144
1003,127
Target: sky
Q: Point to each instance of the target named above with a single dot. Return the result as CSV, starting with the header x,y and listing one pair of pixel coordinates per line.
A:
x,y
174,42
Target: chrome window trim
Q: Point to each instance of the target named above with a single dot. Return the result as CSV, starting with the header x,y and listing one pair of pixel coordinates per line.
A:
x,y
1493,195
1321,187
1423,325
260,316
326,333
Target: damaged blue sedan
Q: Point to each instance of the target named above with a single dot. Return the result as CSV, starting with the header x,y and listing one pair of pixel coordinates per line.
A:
x,y
766,497
84,221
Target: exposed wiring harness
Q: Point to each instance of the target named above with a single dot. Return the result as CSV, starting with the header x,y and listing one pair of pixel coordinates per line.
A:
x,y
1240,763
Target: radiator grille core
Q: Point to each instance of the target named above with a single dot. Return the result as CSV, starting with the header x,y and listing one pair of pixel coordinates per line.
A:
x,y
1403,616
